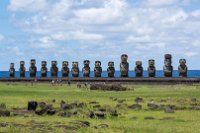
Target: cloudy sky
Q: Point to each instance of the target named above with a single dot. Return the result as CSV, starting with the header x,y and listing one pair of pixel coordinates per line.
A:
x,y
99,30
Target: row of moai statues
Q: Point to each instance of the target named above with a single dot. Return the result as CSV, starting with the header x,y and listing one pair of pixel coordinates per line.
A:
x,y
168,68
124,68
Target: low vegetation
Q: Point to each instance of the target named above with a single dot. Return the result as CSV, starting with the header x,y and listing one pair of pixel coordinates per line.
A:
x,y
78,108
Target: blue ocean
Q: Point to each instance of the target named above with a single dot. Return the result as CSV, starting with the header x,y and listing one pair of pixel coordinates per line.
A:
x,y
159,73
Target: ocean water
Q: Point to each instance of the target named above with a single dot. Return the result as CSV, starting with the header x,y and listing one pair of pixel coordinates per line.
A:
x,y
159,73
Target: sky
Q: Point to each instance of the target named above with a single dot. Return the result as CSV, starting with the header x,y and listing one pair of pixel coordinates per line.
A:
x,y
75,30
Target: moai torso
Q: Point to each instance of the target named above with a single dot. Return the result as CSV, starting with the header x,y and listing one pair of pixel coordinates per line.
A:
x,y
138,69
54,69
12,70
168,68
44,69
97,69
111,69
124,66
152,68
182,68
65,69
33,68
22,69
86,68
75,69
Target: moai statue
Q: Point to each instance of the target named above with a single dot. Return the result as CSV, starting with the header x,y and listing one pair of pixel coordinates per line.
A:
x,y
33,68
168,68
54,69
182,68
124,66
44,69
138,69
152,68
86,68
111,69
97,69
75,69
22,69
65,69
12,70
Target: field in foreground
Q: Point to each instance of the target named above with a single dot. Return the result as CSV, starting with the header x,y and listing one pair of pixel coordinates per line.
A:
x,y
183,116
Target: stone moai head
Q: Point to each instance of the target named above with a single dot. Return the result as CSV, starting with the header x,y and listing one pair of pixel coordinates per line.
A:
x,y
168,59
182,62
12,65
97,63
54,63
110,64
152,68
138,69
124,58
43,63
151,63
182,68
65,64
12,70
111,69
86,63
138,63
22,63
74,64
33,62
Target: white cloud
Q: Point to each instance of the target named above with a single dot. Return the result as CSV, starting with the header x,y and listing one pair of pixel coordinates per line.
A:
x,y
161,2
190,54
43,42
111,27
26,5
1,37
139,39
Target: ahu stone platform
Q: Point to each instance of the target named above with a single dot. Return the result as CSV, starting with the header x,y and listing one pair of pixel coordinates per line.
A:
x,y
146,80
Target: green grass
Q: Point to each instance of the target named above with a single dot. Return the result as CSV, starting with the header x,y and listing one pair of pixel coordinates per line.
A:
x,y
17,95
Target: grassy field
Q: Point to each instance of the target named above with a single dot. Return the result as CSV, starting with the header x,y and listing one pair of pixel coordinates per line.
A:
x,y
16,95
